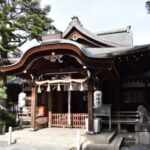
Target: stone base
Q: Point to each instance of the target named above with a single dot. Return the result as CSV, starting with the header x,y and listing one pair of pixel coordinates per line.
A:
x,y
2,127
142,137
32,129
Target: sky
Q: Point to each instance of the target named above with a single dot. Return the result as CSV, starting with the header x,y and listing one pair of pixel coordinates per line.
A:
x,y
102,15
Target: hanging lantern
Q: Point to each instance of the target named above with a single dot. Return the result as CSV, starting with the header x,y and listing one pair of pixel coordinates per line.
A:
x,y
58,87
48,88
81,87
70,87
39,89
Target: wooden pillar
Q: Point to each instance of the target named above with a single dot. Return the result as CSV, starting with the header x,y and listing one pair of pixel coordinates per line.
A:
x,y
116,95
90,106
69,107
33,107
147,103
59,98
49,99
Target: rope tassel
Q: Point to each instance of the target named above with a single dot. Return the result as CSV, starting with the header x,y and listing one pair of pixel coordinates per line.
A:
x,y
58,87
70,87
39,89
48,88
81,87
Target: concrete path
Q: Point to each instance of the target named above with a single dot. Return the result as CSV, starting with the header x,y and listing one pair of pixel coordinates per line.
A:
x,y
47,139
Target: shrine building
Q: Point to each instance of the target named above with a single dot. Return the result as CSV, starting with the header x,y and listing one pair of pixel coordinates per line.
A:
x,y
67,68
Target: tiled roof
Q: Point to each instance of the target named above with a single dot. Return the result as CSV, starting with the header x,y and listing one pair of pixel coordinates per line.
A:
x,y
121,36
75,23
117,51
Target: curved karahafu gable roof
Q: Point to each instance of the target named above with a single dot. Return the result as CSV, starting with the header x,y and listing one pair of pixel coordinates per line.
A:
x,y
59,44
94,55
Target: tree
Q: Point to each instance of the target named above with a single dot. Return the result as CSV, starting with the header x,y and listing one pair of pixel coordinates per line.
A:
x,y
21,20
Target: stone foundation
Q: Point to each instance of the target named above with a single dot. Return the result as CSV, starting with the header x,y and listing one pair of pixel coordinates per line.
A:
x,y
142,137
2,127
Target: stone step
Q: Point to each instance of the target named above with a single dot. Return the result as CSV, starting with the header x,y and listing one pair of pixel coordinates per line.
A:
x,y
104,137
114,145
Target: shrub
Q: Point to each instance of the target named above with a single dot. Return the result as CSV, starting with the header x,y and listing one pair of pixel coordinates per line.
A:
x,y
9,118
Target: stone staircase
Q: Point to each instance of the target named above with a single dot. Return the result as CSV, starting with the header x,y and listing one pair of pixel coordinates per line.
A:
x,y
102,141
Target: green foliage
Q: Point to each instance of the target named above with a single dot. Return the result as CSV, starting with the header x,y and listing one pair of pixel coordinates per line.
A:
x,y
3,94
21,20
10,77
9,118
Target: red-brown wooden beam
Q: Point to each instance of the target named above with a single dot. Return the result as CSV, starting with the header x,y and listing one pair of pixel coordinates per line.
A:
x,y
51,48
33,108
90,106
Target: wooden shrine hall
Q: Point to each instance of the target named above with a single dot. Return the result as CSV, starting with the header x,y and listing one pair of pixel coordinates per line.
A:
x,y
65,70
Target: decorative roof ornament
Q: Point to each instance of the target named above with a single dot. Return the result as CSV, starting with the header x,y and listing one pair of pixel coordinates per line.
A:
x,y
51,33
147,6
76,20
51,30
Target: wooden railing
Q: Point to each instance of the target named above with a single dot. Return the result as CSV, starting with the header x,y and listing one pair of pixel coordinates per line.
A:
x,y
78,120
61,120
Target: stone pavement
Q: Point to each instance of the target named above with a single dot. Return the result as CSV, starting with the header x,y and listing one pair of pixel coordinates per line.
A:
x,y
44,139
30,147
48,139
140,147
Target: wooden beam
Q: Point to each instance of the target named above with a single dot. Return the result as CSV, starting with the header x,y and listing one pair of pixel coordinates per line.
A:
x,y
33,108
62,71
90,106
